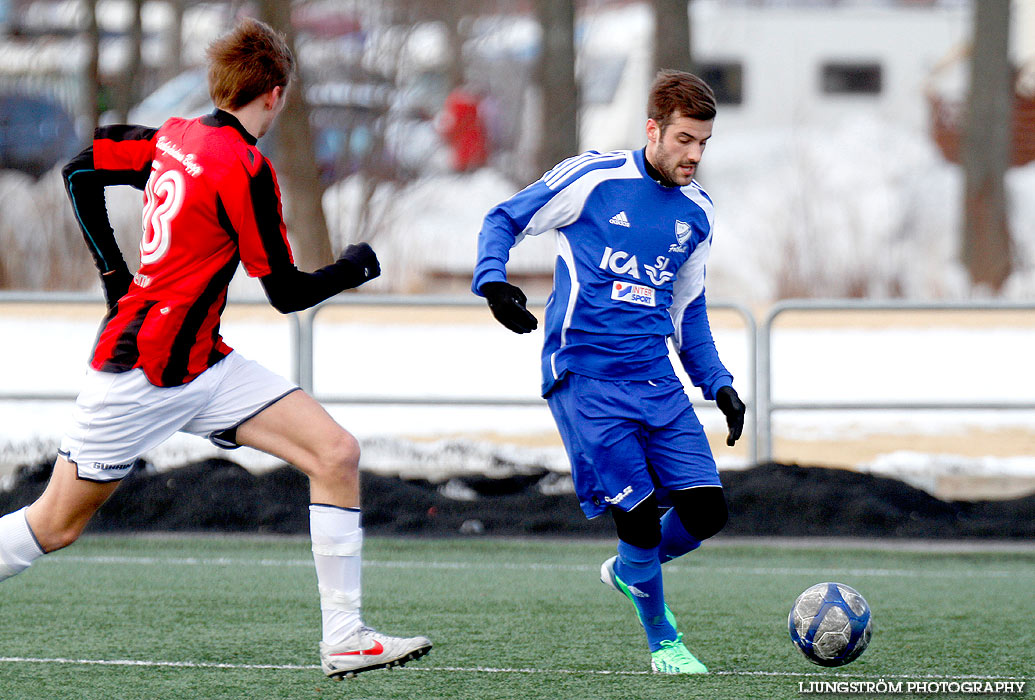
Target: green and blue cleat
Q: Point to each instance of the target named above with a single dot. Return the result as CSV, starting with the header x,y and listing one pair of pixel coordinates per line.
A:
x,y
673,656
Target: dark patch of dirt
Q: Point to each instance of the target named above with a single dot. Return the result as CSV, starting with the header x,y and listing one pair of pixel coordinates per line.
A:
x,y
768,500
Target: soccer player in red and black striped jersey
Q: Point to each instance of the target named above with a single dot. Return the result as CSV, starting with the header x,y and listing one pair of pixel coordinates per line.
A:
x,y
211,203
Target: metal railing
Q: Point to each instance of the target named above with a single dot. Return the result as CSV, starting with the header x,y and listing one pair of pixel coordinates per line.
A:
x,y
84,299
767,406
307,323
762,406
303,351
306,355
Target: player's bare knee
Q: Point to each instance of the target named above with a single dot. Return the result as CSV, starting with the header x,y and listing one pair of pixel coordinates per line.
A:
x,y
337,457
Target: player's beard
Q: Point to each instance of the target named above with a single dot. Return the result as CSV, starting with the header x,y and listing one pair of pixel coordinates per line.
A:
x,y
671,168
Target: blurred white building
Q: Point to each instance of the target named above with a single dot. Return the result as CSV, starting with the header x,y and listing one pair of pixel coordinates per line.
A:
x,y
779,64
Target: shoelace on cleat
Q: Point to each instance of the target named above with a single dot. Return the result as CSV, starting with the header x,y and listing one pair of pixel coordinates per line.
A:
x,y
676,652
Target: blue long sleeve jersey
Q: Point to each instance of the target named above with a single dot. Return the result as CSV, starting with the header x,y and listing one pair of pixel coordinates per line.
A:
x,y
629,273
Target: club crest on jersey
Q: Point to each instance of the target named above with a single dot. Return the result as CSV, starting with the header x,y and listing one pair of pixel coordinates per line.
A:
x,y
632,293
683,232
620,262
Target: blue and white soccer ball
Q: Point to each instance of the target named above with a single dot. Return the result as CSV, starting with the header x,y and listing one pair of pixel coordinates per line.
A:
x,y
830,623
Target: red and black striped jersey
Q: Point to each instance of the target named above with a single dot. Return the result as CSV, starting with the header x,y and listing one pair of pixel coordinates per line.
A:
x,y
211,201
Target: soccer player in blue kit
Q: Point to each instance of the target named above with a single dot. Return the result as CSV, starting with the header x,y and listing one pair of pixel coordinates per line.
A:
x,y
633,232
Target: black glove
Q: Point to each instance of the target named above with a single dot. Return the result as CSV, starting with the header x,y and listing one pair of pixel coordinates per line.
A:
x,y
733,408
361,262
507,303
116,284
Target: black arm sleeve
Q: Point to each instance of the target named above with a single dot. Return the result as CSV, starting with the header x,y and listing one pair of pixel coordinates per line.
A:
x,y
85,188
289,289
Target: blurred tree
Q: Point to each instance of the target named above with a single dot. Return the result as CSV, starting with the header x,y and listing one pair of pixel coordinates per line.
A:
x,y
453,14
300,179
555,74
173,64
986,148
91,86
126,95
672,35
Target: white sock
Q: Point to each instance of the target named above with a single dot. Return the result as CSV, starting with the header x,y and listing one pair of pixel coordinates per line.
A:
x,y
18,546
337,545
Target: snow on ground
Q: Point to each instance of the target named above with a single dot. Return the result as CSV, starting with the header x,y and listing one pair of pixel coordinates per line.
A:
x,y
480,360
865,208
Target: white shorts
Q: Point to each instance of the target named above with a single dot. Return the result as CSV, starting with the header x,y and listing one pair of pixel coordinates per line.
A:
x,y
119,417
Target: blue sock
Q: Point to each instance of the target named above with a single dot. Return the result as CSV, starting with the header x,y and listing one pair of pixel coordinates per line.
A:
x,y
640,570
675,540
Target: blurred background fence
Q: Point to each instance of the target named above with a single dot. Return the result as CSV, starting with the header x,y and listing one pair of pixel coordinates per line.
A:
x,y
439,351
866,153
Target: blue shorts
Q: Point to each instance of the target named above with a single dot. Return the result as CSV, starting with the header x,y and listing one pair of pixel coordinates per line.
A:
x,y
630,438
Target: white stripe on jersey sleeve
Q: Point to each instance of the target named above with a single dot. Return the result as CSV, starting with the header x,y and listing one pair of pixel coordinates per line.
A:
x,y
689,282
695,194
565,253
559,176
557,173
567,205
688,285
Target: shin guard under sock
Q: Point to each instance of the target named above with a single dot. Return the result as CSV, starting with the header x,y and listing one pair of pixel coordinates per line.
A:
x,y
640,570
337,545
675,540
18,546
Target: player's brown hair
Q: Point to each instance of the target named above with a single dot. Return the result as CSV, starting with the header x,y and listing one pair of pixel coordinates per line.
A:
x,y
249,61
679,93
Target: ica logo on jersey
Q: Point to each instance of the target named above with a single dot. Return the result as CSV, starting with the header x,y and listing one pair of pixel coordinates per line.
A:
x,y
620,262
